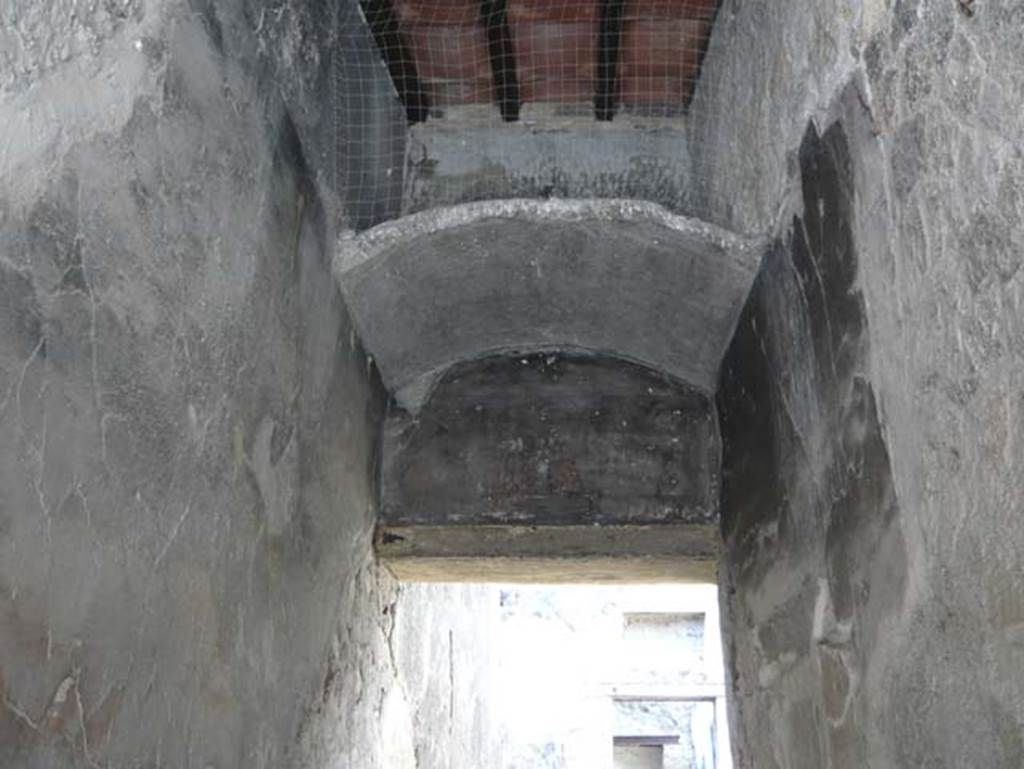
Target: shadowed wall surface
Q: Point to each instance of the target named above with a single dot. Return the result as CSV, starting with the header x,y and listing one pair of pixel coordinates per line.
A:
x,y
875,615
553,439
189,427
187,423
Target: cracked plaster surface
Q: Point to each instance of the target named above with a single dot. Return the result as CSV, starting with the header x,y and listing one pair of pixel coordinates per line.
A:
x,y
187,421
159,386
928,96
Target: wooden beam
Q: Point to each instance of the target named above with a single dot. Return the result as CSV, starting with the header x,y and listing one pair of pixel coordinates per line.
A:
x,y
383,22
550,554
494,16
608,42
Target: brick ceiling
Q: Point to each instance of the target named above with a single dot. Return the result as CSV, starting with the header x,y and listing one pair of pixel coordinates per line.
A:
x,y
637,56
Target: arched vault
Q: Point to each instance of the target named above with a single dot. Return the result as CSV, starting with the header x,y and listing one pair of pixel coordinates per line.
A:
x,y
617,278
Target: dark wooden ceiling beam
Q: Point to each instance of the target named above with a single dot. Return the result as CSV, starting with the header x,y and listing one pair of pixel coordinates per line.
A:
x,y
494,16
608,43
383,22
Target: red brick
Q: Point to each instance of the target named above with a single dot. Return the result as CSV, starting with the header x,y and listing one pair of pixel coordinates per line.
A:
x,y
448,45
443,93
669,9
451,53
660,60
555,61
441,13
658,90
555,44
553,10
662,46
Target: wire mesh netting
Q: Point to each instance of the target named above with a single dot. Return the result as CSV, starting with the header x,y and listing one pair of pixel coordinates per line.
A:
x,y
525,98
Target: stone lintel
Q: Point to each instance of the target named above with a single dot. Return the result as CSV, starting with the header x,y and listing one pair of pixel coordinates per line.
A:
x,y
550,554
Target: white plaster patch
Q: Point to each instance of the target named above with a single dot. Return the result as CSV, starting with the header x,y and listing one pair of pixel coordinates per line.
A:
x,y
874,14
396,735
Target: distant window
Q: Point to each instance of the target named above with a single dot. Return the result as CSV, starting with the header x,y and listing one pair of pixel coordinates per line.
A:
x,y
638,757
664,628
662,646
682,730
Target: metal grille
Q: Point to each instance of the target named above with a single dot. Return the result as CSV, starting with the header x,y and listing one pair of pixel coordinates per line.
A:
x,y
523,98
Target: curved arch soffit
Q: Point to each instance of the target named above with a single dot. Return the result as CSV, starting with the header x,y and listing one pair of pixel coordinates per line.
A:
x,y
621,278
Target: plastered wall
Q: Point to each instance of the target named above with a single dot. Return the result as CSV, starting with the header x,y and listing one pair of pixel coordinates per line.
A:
x,y
874,581
187,422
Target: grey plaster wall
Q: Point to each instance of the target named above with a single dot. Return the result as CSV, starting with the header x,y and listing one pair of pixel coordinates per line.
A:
x,y
880,622
407,680
447,674
478,157
814,559
187,424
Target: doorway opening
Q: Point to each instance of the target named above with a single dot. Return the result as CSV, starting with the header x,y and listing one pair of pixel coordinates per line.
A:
x,y
580,676
532,436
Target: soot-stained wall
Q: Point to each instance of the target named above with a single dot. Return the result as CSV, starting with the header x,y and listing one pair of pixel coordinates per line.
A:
x,y
814,558
869,625
549,438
